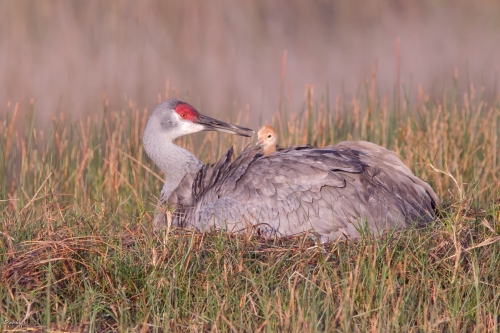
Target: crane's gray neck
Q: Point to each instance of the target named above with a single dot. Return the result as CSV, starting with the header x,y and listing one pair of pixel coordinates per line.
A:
x,y
174,161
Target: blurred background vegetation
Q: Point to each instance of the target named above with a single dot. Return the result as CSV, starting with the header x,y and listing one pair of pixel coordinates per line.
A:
x,y
224,55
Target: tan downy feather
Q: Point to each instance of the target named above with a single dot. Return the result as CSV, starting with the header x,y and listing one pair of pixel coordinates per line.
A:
x,y
267,139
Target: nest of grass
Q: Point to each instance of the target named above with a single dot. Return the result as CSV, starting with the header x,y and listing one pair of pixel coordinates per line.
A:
x,y
27,263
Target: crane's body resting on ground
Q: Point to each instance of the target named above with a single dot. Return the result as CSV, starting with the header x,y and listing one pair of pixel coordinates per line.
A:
x,y
333,191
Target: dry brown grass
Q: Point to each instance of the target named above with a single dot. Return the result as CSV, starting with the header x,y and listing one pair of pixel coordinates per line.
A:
x,y
77,253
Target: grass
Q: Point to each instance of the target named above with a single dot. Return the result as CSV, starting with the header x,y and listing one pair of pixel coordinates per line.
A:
x,y
77,252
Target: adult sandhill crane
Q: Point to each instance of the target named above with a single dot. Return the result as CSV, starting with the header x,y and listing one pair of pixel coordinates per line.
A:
x,y
267,138
335,191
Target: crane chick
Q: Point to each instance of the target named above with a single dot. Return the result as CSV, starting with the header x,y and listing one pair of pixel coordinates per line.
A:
x,y
267,139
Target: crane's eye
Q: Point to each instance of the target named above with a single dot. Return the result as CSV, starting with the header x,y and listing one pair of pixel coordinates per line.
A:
x,y
269,136
183,115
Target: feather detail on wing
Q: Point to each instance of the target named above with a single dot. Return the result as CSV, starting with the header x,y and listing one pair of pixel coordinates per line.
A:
x,y
333,191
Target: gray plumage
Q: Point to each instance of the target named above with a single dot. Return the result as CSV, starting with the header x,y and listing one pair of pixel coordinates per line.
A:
x,y
333,191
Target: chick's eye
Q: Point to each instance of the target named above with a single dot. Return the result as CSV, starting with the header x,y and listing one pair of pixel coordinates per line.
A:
x,y
269,136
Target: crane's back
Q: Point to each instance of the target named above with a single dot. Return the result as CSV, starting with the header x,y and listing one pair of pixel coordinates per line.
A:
x,y
341,190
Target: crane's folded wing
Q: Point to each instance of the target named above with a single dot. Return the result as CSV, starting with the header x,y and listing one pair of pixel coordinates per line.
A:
x,y
332,190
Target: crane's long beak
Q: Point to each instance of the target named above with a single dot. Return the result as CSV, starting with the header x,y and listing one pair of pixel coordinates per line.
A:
x,y
211,124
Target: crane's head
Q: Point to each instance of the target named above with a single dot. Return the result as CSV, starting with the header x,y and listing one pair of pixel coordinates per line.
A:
x,y
177,118
267,139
